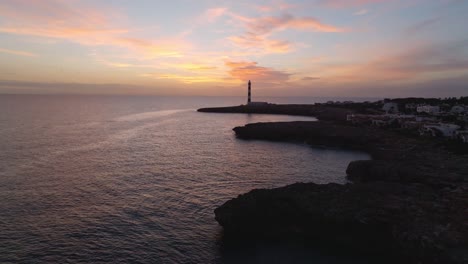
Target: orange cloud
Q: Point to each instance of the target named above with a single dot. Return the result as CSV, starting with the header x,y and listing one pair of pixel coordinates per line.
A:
x,y
196,67
153,49
244,71
18,52
87,26
189,79
266,25
262,44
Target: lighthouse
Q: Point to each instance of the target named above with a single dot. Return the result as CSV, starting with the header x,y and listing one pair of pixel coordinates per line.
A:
x,y
249,93
249,98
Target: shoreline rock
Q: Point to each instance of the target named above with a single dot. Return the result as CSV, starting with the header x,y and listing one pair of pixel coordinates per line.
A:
x,y
382,218
318,111
410,202
396,158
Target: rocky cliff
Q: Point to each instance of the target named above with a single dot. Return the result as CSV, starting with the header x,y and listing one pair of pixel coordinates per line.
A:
x,y
410,202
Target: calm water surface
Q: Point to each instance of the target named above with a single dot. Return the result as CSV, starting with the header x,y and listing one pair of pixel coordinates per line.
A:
x,y
136,179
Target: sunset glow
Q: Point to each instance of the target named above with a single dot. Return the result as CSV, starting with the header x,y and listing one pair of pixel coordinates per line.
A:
x,y
287,48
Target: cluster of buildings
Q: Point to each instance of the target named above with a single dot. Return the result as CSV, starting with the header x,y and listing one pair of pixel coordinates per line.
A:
x,y
421,119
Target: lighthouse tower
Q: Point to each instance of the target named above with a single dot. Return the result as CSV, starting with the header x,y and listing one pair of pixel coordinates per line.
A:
x,y
249,93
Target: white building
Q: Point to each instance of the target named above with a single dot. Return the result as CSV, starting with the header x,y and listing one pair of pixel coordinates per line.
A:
x,y
439,130
428,109
458,109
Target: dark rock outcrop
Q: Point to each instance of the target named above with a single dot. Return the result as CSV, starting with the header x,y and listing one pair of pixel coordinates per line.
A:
x,y
396,158
410,222
319,111
410,201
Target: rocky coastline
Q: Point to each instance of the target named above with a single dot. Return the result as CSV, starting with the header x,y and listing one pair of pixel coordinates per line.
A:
x,y
410,202
320,112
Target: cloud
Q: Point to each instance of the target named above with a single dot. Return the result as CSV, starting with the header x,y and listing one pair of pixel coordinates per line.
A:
x,y
414,63
70,21
242,70
265,8
421,26
349,3
361,12
262,44
25,87
18,52
266,25
259,30
212,14
153,48
275,5
427,59
181,78
308,78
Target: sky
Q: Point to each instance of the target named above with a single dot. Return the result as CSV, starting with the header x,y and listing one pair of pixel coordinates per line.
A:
x,y
373,48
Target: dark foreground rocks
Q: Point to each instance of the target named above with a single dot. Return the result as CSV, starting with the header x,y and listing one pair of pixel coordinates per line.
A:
x,y
411,223
409,202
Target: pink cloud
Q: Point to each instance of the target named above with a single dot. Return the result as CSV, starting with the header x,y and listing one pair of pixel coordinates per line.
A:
x,y
67,20
275,5
412,64
266,25
421,26
258,32
212,14
349,3
247,70
262,44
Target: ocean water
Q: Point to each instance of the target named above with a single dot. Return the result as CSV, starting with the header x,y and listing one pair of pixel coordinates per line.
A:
x,y
135,179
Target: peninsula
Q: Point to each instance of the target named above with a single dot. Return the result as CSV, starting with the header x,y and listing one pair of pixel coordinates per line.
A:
x,y
409,202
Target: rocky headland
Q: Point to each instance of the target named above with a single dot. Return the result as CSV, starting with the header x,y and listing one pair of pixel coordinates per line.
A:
x,y
410,202
320,112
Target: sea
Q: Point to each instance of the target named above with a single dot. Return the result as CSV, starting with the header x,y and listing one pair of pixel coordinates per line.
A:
x,y
135,179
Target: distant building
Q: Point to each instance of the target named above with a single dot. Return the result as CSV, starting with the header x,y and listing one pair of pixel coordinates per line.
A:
x,y
412,125
411,107
428,109
439,130
390,107
458,109
381,123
